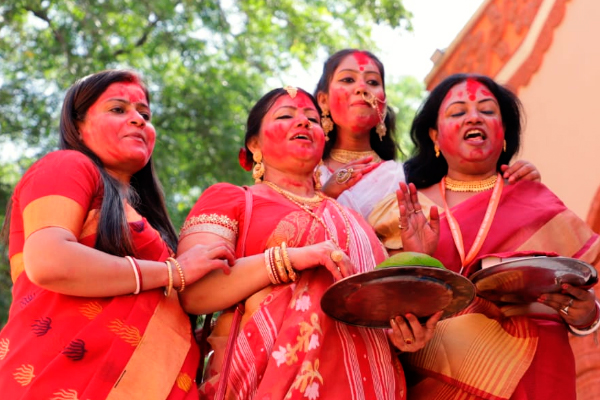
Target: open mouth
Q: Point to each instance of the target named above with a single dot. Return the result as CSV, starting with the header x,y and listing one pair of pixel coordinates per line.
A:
x,y
475,134
301,136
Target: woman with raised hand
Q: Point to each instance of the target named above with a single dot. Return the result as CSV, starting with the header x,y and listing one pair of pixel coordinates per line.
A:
x,y
95,312
466,129
292,243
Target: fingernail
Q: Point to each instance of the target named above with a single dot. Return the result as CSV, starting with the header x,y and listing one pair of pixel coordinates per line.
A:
x,y
564,286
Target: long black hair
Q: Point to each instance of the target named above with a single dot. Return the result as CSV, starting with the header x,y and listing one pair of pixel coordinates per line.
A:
x,y
386,148
113,234
424,168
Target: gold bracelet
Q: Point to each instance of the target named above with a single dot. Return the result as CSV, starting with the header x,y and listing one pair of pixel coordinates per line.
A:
x,y
280,267
137,273
288,264
174,261
169,287
274,266
269,267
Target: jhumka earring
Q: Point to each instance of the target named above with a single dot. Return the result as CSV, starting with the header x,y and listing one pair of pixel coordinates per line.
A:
x,y
504,147
381,129
436,148
317,176
259,169
326,123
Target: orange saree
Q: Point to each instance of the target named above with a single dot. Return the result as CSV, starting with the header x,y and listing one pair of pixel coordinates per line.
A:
x,y
63,347
287,348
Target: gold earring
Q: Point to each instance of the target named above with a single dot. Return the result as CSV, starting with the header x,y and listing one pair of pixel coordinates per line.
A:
x,y
436,148
381,128
317,177
504,147
326,123
259,169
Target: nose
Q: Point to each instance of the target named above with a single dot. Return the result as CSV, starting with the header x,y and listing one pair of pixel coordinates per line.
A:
x,y
473,116
137,119
304,122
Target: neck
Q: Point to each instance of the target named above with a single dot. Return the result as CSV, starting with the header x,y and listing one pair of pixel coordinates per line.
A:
x,y
347,139
301,185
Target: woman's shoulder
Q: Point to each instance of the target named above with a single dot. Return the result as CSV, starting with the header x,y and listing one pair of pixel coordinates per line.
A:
x,y
223,190
61,164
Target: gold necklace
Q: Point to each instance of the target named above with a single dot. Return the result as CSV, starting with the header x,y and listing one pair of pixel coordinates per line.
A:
x,y
346,156
293,198
470,186
315,199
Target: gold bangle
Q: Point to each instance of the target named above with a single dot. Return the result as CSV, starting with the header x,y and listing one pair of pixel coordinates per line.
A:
x,y
137,273
169,287
280,267
174,261
269,267
274,266
288,264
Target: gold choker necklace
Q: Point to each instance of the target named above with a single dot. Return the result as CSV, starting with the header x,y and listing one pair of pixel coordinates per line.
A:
x,y
345,156
316,199
471,186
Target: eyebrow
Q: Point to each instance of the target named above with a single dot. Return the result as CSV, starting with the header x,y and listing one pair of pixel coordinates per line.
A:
x,y
357,71
479,102
121,100
295,108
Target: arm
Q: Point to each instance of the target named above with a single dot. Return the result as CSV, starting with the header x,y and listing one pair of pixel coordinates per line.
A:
x,y
55,261
217,291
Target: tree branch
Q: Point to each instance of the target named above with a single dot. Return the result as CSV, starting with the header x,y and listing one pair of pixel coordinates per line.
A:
x,y
140,41
57,35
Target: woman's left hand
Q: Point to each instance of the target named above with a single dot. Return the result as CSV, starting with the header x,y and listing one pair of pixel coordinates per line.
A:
x,y
576,306
520,170
408,335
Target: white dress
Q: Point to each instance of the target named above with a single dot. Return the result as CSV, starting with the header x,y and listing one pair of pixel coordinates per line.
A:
x,y
371,189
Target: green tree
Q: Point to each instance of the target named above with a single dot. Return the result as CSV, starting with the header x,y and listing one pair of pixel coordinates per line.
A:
x,y
206,62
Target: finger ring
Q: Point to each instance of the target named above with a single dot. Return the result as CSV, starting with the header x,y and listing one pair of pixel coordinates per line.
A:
x,y
343,175
570,302
565,310
337,255
408,341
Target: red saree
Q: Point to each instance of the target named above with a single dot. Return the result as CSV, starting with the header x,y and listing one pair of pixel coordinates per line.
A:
x,y
517,353
63,347
287,348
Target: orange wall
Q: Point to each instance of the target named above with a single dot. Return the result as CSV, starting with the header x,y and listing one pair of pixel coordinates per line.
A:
x,y
562,106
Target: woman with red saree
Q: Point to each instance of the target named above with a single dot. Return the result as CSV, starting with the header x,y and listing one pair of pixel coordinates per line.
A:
x,y
464,131
292,243
90,249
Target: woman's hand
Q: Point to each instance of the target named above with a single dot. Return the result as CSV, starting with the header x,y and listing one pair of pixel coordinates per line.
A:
x,y
325,254
521,169
416,232
200,259
348,175
408,335
576,306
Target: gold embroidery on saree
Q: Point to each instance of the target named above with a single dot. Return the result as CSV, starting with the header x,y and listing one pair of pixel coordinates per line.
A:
x,y
184,382
24,374
66,395
130,334
91,310
4,343
305,380
218,224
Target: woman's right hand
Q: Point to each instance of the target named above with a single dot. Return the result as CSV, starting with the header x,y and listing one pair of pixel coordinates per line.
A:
x,y
340,181
416,232
200,259
321,254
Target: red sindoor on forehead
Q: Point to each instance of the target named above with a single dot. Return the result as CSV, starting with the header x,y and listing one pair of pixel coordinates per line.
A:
x,y
362,59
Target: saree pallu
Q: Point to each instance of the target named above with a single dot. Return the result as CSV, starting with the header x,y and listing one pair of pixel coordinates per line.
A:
x,y
62,347
487,352
287,348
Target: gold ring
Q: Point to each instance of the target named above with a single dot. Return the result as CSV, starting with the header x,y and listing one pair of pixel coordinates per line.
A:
x,y
408,341
337,255
402,227
343,175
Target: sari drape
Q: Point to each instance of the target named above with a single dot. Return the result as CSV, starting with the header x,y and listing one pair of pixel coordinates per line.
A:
x,y
63,347
491,352
287,348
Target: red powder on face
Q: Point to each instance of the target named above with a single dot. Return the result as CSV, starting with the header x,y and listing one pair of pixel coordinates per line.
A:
x,y
361,58
472,87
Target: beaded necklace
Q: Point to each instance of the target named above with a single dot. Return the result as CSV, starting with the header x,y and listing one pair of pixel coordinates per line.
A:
x,y
346,156
301,202
470,186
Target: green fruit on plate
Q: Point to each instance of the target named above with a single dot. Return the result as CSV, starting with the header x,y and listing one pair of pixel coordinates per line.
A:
x,y
411,258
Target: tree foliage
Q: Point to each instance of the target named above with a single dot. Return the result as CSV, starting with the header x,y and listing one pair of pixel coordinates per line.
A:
x,y
205,61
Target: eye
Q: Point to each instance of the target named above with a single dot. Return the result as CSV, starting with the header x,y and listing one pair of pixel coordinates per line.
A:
x,y
373,82
314,120
347,80
118,110
145,115
457,114
488,112
284,116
